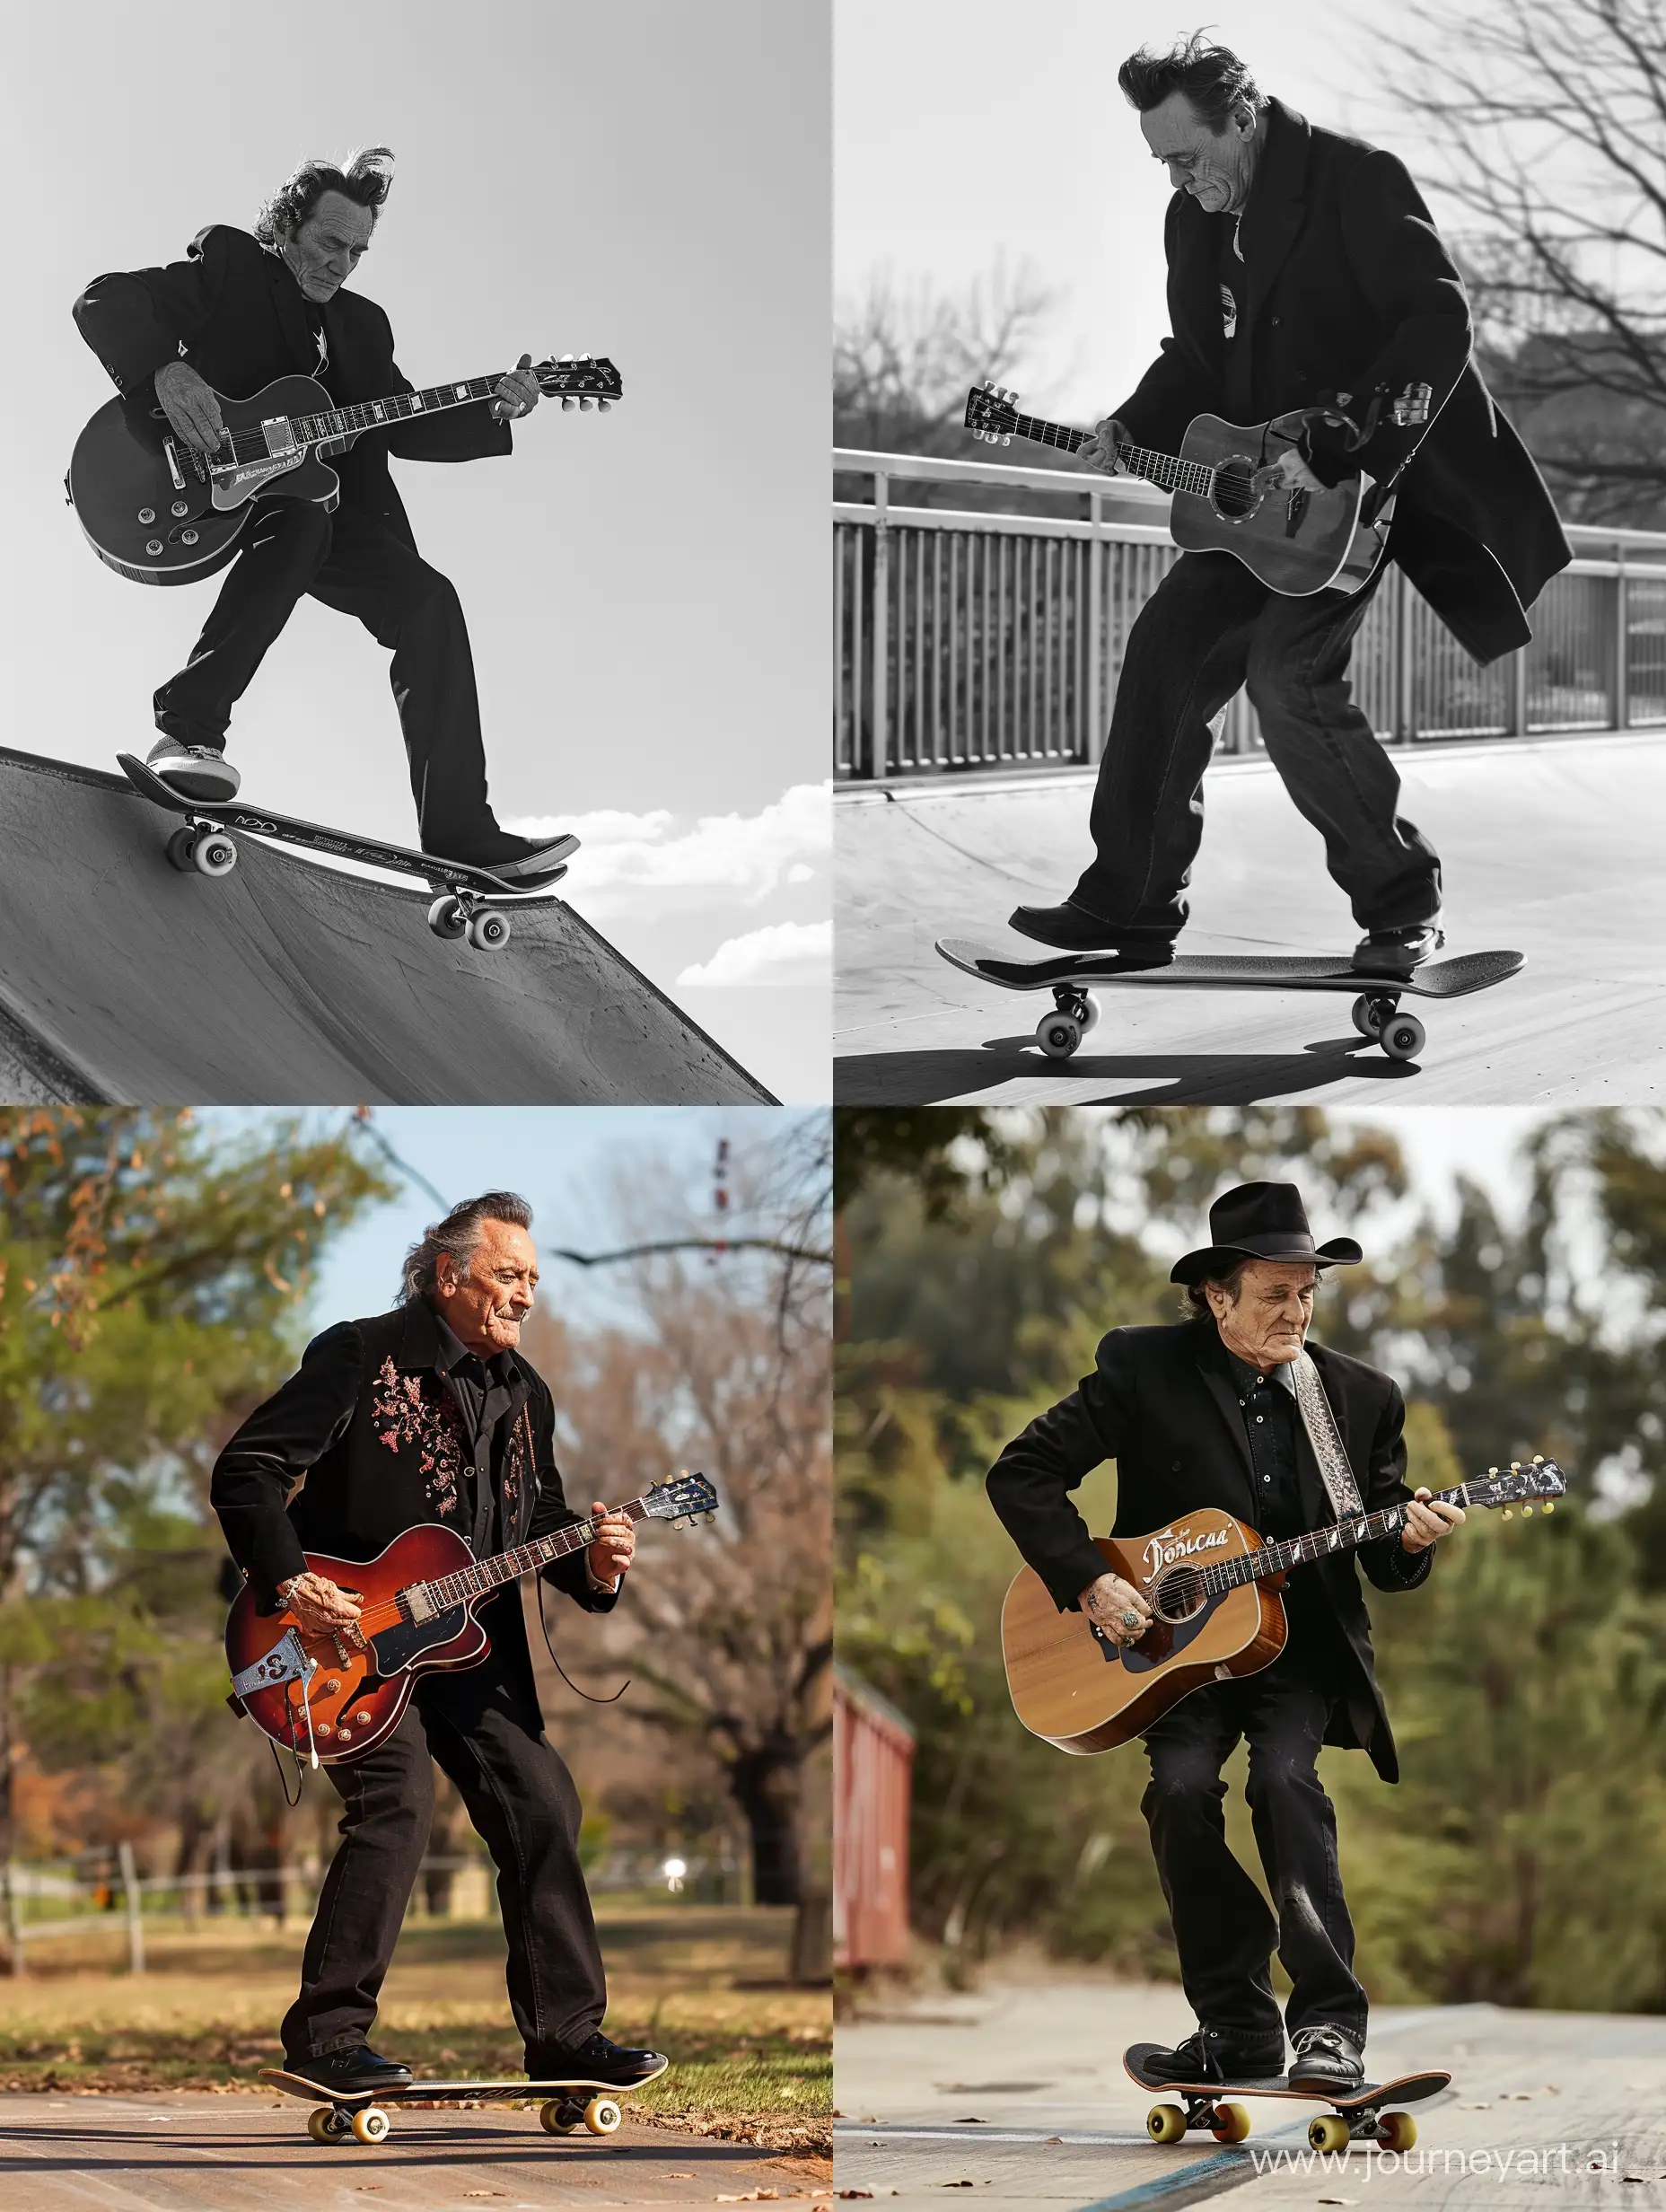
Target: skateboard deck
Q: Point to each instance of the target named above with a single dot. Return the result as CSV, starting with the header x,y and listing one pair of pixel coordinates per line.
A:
x,y
565,2105
1357,2117
1071,976
468,896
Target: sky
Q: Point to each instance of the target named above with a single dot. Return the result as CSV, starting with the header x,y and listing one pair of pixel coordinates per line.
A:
x,y
593,1175
646,591
969,134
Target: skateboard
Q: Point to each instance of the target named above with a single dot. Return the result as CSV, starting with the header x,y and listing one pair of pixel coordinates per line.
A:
x,y
359,2113
1376,1008
471,899
1358,2118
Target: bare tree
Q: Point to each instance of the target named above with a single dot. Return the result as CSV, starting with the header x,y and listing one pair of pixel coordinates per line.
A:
x,y
1547,126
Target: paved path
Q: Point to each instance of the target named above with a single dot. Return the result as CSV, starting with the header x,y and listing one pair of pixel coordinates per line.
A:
x,y
247,2154
1017,2096
1550,847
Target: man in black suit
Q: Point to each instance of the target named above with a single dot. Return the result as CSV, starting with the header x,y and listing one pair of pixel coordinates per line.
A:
x,y
1224,1409
1302,266
430,1413
238,312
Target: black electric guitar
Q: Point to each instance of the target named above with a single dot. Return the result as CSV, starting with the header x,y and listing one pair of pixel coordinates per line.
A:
x,y
157,512
1229,496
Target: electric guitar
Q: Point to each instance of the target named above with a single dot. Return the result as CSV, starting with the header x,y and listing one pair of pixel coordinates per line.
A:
x,y
1228,497
1208,1578
157,512
330,1697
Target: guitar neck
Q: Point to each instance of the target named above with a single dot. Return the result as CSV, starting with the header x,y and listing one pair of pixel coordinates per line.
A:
x,y
1166,469
1316,1544
399,407
487,1575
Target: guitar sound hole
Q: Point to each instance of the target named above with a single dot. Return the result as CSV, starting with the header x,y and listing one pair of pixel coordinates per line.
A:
x,y
1235,493
1180,1595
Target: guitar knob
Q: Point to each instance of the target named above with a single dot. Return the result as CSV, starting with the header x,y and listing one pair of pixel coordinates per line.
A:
x,y
344,1735
332,1685
361,1720
153,545
187,537
323,1729
180,506
147,515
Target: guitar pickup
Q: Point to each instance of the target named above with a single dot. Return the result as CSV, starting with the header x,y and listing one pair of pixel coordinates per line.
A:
x,y
280,437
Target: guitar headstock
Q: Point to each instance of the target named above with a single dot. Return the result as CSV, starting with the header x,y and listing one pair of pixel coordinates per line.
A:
x,y
688,1497
1519,1484
992,413
579,376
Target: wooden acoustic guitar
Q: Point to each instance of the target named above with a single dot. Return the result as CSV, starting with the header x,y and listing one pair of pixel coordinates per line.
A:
x,y
331,1698
1212,1583
1229,497
157,512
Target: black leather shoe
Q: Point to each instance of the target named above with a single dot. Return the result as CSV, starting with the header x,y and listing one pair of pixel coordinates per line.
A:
x,y
357,2068
609,2065
1073,928
1210,2056
1327,2059
1397,951
518,860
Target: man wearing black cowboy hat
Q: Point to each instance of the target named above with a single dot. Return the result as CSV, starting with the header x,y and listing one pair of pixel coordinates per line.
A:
x,y
1232,1408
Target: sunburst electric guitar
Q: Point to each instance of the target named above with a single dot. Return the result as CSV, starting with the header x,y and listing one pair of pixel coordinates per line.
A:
x,y
330,1697
1211,1581
157,512
1230,498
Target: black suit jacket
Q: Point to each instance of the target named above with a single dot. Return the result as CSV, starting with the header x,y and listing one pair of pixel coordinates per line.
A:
x,y
1349,286
1158,1403
368,1429
234,312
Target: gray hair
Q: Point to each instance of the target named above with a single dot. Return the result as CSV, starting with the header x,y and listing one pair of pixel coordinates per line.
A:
x,y
1194,1303
458,1237
364,176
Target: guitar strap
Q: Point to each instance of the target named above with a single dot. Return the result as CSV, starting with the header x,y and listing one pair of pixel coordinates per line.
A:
x,y
1321,1424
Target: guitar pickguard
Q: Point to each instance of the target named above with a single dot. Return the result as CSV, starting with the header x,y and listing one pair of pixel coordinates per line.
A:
x,y
233,487
1163,1639
396,1647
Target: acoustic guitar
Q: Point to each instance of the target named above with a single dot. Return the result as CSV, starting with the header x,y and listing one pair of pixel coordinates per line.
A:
x,y
1212,1583
157,512
1229,497
333,1696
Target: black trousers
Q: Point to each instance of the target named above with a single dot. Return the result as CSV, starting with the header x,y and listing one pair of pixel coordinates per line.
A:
x,y
1222,1930
483,1727
1209,626
358,566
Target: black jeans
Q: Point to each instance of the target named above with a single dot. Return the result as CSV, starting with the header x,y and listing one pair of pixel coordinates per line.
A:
x,y
1209,626
483,1727
358,566
1222,1930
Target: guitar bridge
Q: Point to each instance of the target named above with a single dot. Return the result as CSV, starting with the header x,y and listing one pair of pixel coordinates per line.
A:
x,y
1296,510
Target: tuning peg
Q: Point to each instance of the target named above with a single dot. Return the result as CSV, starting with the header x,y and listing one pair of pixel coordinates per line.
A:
x,y
1548,1505
1538,1459
1007,440
1505,1514
1492,1470
1526,1512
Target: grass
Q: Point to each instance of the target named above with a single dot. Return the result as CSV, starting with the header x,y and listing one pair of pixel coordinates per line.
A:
x,y
750,2057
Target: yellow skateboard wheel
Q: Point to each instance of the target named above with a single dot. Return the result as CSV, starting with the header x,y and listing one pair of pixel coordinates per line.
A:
x,y
1165,2123
1231,2123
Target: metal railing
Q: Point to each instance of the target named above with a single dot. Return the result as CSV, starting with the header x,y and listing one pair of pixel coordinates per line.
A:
x,y
970,641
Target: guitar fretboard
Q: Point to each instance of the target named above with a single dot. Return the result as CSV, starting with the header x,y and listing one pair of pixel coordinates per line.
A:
x,y
1165,470
242,446
1314,1544
470,1581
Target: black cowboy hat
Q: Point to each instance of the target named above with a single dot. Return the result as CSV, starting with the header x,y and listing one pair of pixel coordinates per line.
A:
x,y
1261,1221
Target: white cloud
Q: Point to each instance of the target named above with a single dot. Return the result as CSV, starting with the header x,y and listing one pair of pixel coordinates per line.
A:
x,y
737,856
783,953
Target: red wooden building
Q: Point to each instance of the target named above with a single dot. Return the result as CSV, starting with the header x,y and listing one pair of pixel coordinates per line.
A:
x,y
872,1783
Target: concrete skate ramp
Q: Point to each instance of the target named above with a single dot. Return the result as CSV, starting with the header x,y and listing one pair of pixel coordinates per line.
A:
x,y
289,983
1550,846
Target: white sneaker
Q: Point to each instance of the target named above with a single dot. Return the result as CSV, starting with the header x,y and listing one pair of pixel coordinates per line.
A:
x,y
194,771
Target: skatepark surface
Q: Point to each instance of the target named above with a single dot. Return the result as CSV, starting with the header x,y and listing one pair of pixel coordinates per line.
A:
x,y
1017,2094
294,982
1549,845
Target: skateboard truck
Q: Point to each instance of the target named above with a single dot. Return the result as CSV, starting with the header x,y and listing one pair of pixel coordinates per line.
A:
x,y
1228,2122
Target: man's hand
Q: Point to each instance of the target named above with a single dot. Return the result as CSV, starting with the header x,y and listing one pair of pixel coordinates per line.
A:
x,y
1428,1519
319,1604
1289,465
516,394
190,406
1100,450
1108,1604
616,1540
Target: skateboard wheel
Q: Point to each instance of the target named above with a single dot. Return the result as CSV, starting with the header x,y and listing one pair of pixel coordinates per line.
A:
x,y
602,2116
448,917
488,930
1165,2123
1088,1018
370,2124
179,849
1328,2132
1403,1038
213,853
1058,1035
1369,1015
326,2125
1396,2132
560,2116
1230,2124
